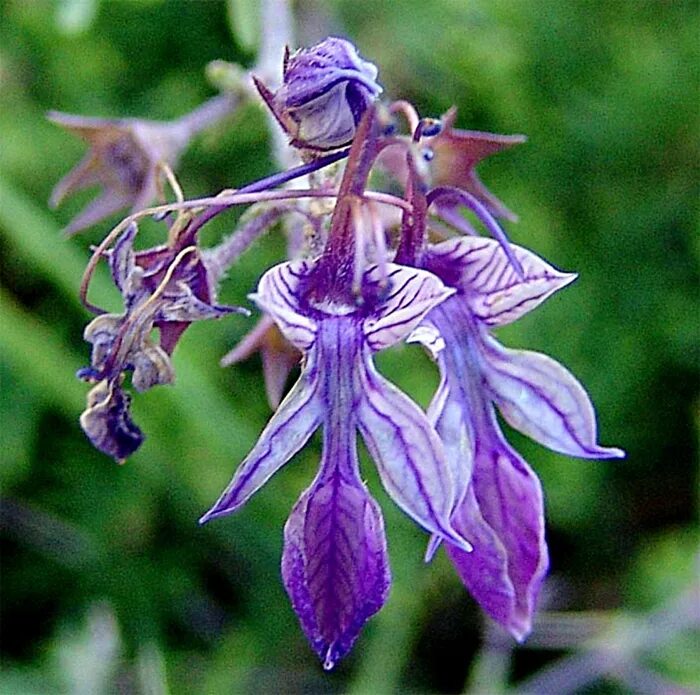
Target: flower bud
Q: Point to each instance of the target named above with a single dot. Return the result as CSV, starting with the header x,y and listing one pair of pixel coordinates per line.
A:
x,y
325,91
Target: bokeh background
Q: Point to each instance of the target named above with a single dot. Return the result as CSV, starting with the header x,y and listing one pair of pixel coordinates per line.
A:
x,y
109,585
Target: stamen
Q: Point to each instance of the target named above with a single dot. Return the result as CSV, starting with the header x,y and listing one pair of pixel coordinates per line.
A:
x,y
360,259
408,111
379,240
426,128
172,180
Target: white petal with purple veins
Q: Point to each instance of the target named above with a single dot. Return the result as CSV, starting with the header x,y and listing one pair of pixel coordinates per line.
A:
x,y
298,416
412,294
279,295
496,294
408,453
543,400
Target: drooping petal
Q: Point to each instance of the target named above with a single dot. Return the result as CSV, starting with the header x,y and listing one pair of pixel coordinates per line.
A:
x,y
509,500
407,451
103,206
335,566
107,421
279,295
279,357
83,175
121,258
543,400
412,294
449,414
288,430
493,290
484,571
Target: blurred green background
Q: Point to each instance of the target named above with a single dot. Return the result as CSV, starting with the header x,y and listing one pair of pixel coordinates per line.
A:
x,y
109,585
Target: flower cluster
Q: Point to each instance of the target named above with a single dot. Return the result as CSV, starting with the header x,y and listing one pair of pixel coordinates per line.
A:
x,y
368,269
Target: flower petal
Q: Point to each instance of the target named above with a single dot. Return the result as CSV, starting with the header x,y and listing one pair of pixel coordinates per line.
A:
x,y
104,205
408,453
484,571
412,294
506,498
494,291
335,566
107,421
541,399
287,431
279,295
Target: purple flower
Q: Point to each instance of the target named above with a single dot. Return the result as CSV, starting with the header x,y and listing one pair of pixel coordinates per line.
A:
x,y
499,500
334,565
325,91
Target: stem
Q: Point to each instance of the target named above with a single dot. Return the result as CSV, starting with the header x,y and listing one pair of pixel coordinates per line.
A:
x,y
218,259
413,224
336,264
268,182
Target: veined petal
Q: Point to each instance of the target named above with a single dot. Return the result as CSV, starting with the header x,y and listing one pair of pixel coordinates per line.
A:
x,y
509,500
484,571
494,291
335,566
543,400
296,419
279,295
412,294
448,413
121,258
408,453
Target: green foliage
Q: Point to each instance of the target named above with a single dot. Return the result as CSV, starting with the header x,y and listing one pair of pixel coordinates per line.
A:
x,y
607,185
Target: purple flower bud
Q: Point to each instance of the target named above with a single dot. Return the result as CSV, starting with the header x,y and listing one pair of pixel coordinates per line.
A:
x,y
325,91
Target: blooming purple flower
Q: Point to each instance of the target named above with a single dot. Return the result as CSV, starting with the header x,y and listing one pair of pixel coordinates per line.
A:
x,y
334,565
499,505
325,91
366,280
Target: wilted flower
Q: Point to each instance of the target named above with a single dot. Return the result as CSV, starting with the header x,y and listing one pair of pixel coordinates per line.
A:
x,y
325,91
125,157
500,507
165,288
455,155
